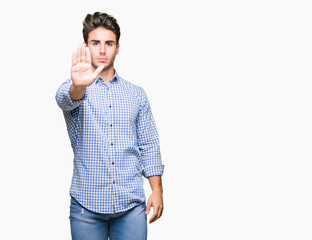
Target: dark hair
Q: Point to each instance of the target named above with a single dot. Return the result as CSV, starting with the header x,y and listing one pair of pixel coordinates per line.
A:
x,y
99,19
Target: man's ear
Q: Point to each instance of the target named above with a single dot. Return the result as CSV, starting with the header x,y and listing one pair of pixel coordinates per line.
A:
x,y
117,48
86,45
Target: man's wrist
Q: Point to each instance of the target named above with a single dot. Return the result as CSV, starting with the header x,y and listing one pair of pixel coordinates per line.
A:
x,y
157,189
78,88
77,92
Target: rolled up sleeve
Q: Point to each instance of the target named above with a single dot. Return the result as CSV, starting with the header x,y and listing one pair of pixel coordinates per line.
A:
x,y
148,140
63,99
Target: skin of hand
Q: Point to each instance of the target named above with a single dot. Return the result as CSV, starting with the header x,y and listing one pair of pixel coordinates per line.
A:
x,y
155,200
82,73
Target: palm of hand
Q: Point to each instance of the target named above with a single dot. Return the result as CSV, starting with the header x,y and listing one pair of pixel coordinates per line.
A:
x,y
82,73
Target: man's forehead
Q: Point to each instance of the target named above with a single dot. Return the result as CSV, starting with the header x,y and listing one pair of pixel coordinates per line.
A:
x,y
102,34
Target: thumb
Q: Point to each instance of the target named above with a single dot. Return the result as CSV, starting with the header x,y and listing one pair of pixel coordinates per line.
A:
x,y
148,207
97,71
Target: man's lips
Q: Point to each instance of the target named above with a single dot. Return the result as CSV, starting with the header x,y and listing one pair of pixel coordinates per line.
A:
x,y
102,59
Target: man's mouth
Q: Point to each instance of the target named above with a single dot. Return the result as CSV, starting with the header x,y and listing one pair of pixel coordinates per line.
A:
x,y
102,59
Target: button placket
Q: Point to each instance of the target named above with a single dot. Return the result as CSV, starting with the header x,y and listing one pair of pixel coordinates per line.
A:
x,y
110,130
111,137
109,119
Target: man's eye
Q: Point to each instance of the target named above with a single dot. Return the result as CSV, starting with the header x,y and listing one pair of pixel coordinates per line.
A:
x,y
109,44
95,43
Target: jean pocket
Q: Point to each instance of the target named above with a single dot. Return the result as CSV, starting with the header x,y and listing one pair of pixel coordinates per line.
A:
x,y
75,208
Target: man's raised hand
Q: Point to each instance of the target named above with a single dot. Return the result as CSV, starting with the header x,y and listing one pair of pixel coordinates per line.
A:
x,y
82,73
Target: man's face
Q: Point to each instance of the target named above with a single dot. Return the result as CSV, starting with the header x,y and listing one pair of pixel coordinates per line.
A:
x,y
103,47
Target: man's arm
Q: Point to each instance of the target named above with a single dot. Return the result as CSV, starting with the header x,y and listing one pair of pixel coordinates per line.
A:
x,y
63,98
148,143
156,199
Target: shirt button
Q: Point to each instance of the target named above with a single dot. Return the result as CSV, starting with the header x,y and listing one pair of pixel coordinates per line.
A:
x,y
111,125
113,163
110,106
113,182
112,144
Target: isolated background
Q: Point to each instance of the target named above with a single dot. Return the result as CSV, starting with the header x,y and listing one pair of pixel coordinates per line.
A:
x,y
229,83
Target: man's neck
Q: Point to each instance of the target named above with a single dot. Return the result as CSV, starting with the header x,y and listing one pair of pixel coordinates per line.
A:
x,y
107,75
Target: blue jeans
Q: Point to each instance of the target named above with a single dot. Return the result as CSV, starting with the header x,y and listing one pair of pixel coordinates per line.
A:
x,y
88,225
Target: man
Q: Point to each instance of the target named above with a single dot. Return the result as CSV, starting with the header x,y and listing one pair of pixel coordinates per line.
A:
x,y
114,140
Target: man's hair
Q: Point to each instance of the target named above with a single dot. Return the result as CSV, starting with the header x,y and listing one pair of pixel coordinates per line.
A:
x,y
98,19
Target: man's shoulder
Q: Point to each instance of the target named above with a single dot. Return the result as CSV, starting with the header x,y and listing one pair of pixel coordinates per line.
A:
x,y
131,86
136,91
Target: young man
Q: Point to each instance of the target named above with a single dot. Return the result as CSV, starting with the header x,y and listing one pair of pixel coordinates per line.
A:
x,y
114,140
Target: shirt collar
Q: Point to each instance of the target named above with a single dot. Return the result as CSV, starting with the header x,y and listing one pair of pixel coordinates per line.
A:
x,y
115,78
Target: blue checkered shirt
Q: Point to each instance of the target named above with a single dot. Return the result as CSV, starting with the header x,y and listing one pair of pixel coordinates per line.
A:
x,y
115,143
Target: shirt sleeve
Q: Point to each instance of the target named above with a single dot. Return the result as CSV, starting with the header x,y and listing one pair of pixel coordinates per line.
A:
x,y
148,140
63,99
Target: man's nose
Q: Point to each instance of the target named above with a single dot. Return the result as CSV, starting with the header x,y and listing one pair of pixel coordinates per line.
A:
x,y
102,48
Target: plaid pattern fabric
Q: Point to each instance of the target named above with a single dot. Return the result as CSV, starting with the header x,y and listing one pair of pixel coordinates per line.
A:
x,y
115,143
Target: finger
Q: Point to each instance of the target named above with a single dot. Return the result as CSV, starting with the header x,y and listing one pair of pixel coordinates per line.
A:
x,y
160,212
148,208
154,216
97,71
88,54
83,53
74,58
78,54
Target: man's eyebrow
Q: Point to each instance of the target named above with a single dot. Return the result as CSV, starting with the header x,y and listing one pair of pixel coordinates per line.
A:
x,y
97,41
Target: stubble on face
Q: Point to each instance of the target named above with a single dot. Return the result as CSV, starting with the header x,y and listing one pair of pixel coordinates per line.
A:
x,y
109,65
98,38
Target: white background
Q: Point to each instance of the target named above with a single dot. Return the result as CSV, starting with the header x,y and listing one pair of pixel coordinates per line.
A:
x,y
229,83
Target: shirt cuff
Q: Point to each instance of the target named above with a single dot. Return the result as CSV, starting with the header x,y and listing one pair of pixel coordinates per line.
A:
x,y
65,101
156,170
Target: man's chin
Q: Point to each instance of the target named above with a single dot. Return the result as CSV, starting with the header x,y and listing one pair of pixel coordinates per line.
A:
x,y
106,67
